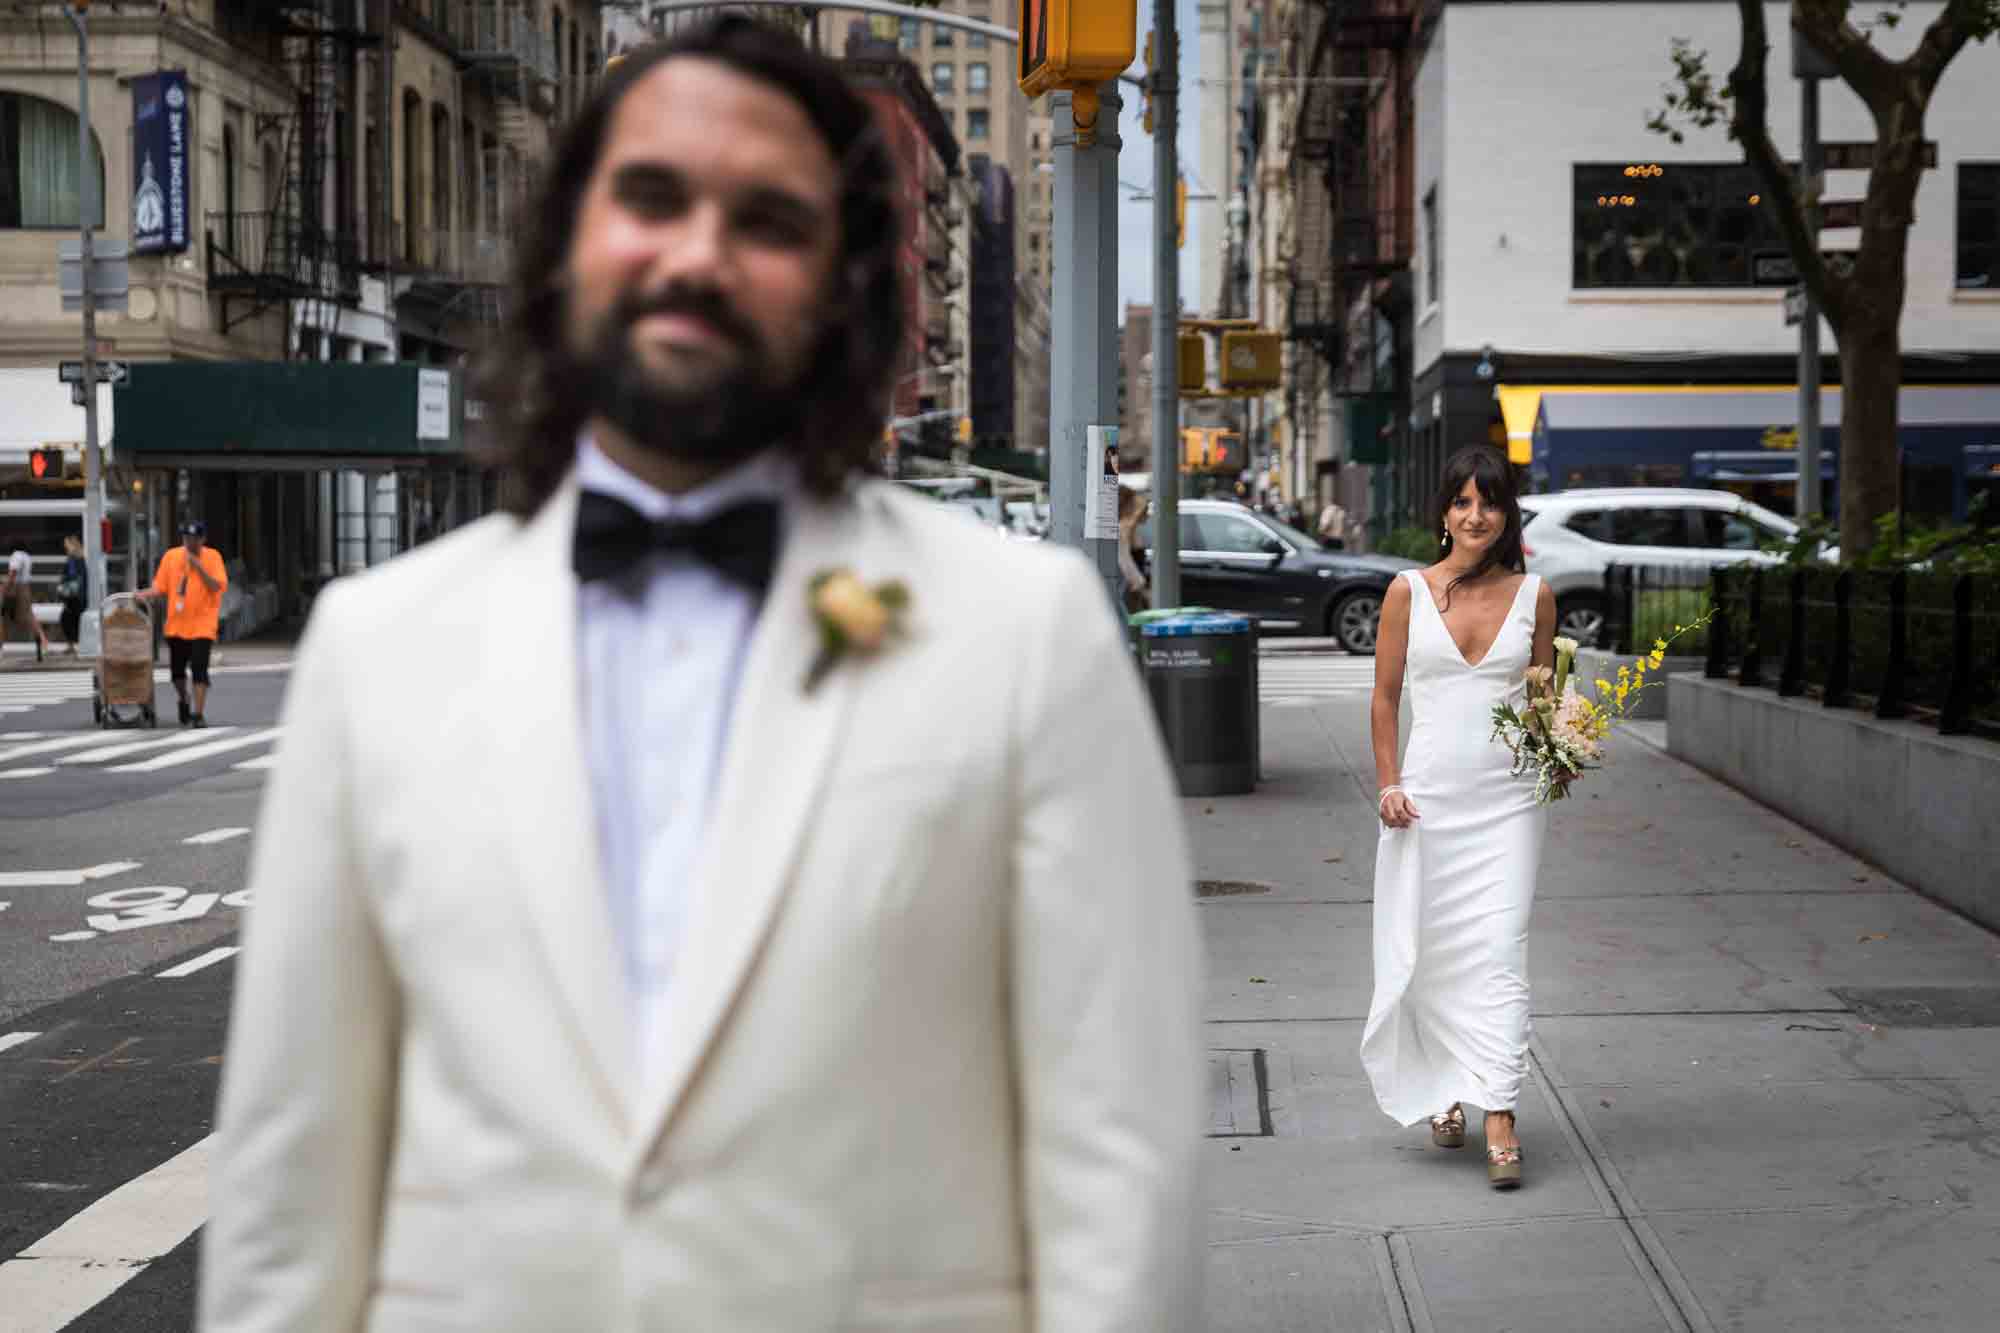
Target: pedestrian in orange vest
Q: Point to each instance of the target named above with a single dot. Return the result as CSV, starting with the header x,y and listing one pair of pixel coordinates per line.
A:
x,y
191,581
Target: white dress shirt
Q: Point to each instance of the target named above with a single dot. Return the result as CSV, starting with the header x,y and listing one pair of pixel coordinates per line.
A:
x,y
661,653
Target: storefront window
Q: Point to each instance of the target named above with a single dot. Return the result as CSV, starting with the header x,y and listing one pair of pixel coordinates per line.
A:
x,y
1677,224
1979,224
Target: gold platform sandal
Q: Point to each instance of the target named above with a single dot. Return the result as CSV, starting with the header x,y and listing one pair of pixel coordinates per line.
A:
x,y
1448,1130
1503,1168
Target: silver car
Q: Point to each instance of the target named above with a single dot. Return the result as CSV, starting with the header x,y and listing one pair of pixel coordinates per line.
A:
x,y
1571,537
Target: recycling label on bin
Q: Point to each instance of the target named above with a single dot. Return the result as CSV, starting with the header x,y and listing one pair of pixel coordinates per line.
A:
x,y
1188,654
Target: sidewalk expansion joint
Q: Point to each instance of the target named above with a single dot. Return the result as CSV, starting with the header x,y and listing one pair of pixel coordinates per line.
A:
x,y
1650,1257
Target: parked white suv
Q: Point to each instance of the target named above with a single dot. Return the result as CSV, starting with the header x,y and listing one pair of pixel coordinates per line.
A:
x,y
1571,537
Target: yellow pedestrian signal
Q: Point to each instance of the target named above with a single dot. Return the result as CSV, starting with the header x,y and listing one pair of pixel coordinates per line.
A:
x,y
1076,44
1251,359
1194,362
965,430
1180,211
1146,88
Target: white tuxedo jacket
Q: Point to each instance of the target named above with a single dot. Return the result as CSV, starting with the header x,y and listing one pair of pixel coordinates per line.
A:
x,y
934,1056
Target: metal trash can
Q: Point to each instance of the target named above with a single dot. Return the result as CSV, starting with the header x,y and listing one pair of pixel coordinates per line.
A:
x,y
1200,669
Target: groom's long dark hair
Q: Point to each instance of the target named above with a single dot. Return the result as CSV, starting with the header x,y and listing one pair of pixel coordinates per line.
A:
x,y
851,371
1484,467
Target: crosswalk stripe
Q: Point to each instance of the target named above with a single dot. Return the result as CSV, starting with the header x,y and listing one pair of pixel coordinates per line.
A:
x,y
52,746
174,758
99,1250
214,835
8,1041
262,761
25,773
119,751
194,965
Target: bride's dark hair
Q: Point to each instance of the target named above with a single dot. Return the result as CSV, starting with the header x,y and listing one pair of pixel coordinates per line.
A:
x,y
1483,466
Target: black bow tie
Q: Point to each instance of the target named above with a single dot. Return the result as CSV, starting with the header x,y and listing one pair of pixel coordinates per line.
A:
x,y
740,542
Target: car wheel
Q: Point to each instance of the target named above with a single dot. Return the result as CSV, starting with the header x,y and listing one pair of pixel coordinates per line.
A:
x,y
1581,617
1353,622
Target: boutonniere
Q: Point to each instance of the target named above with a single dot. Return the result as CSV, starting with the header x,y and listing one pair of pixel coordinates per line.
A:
x,y
853,618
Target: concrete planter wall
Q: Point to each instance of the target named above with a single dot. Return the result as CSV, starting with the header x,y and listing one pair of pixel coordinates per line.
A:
x,y
1920,805
1596,664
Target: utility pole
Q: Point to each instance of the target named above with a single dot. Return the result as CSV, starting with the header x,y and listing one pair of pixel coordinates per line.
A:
x,y
86,196
1809,66
1083,388
1165,77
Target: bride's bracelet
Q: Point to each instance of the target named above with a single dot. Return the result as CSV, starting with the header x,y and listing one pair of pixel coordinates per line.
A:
x,y
1393,787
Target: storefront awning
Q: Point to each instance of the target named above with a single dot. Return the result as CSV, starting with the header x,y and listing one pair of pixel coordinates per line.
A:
x,y
286,409
36,413
1521,404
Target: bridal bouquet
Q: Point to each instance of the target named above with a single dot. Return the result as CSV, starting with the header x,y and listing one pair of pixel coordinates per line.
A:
x,y
1559,732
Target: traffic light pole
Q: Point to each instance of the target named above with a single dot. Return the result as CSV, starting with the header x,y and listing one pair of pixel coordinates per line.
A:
x,y
1808,493
93,463
1083,361
1165,77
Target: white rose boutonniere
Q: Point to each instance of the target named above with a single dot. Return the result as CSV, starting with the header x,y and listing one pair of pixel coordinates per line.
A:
x,y
853,618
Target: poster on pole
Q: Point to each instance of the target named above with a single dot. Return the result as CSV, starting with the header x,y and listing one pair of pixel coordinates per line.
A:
x,y
160,163
1100,493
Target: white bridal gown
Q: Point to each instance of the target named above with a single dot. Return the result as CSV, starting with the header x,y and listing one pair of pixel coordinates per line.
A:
x,y
1449,1022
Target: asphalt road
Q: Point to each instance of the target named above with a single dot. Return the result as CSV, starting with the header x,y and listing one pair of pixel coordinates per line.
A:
x,y
122,876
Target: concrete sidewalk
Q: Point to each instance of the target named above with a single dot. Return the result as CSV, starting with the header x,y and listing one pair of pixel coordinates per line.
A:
x,y
1715,1139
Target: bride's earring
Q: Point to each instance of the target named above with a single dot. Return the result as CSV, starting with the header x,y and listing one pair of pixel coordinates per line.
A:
x,y
1445,540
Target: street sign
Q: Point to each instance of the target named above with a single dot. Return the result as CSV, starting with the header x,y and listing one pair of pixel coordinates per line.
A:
x,y
1774,268
1840,213
110,280
1861,156
108,372
1795,305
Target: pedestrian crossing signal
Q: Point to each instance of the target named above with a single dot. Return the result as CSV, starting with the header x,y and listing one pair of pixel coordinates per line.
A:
x,y
45,464
1076,43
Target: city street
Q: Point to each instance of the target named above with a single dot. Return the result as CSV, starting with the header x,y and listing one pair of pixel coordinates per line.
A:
x,y
123,857
1721,1133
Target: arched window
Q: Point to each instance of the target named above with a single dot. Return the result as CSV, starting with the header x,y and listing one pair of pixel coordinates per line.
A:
x,y
38,175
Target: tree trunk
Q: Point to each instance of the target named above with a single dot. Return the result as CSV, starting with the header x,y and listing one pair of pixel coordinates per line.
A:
x,y
1871,357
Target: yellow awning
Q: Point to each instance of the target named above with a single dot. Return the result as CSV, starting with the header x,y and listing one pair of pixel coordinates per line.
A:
x,y
1520,404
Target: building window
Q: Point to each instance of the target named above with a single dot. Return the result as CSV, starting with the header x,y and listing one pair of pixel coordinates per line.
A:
x,y
1682,224
1979,224
1433,257
940,35
975,123
977,40
229,185
977,77
941,79
38,176
908,33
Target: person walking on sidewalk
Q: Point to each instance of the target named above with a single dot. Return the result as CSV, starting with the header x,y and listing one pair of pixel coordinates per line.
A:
x,y
1461,839
74,589
17,601
191,580
794,931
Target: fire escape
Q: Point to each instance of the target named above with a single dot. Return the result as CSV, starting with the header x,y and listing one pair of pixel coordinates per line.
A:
x,y
1351,297
302,246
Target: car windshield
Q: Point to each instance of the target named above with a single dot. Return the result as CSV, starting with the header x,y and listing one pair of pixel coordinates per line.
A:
x,y
1291,534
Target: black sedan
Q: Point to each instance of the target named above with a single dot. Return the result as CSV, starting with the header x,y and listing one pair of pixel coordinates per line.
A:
x,y
1236,559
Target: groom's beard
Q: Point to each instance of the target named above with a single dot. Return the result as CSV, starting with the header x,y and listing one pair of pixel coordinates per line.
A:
x,y
718,418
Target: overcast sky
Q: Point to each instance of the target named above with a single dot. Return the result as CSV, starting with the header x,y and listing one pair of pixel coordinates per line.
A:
x,y
1135,167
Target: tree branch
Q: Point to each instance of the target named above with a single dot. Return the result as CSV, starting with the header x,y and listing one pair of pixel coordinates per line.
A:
x,y
1870,73
1750,125
1959,22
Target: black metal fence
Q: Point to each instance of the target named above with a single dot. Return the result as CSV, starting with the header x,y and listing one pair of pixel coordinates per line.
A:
x,y
1899,643
1646,603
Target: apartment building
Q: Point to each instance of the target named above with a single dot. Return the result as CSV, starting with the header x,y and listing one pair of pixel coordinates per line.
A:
x,y
320,197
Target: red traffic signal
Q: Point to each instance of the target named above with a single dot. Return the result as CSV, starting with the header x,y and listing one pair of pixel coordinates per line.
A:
x,y
45,464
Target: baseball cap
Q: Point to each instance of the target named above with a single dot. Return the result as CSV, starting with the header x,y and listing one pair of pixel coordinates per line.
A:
x,y
194,527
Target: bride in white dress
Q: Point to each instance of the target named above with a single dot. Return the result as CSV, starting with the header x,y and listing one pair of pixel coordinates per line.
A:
x,y
1461,840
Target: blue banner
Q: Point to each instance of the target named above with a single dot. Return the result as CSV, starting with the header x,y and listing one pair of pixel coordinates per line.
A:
x,y
160,163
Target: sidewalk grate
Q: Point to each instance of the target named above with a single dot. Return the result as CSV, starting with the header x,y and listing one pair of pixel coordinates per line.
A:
x,y
1228,888
1239,1095
1924,1006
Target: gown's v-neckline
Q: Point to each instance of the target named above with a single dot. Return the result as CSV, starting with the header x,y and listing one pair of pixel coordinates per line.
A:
x,y
1450,638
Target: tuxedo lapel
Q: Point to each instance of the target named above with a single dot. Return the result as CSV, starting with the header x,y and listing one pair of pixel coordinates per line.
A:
x,y
544,791
781,742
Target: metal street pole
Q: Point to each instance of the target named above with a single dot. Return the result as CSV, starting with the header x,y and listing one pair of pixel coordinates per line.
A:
x,y
1808,493
1166,312
1083,362
86,186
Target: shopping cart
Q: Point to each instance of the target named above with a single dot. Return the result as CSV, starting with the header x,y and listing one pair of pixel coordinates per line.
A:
x,y
124,676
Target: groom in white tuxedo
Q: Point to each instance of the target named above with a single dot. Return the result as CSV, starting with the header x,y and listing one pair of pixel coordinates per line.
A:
x,y
724,895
